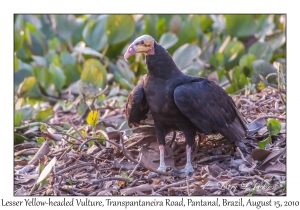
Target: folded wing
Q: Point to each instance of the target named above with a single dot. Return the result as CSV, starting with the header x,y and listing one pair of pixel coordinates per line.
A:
x,y
136,106
210,108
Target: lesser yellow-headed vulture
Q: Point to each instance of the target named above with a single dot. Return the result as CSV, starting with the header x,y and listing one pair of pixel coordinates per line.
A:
x,y
179,102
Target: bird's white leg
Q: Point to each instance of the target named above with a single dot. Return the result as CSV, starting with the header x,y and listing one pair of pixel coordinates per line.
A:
x,y
188,167
162,165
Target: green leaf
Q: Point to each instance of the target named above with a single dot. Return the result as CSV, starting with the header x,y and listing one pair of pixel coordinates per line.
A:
x,y
240,25
77,35
261,51
65,26
43,76
119,28
44,115
263,68
232,54
27,112
35,40
16,63
19,139
125,71
239,80
18,118
273,126
43,128
94,73
70,181
26,85
39,60
205,22
161,27
58,77
217,60
263,144
168,39
87,51
276,40
18,39
184,56
187,34
40,140
21,74
151,26
93,118
246,63
72,73
94,33
66,58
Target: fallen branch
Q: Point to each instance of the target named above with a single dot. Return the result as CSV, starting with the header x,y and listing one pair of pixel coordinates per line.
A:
x,y
137,165
173,185
133,160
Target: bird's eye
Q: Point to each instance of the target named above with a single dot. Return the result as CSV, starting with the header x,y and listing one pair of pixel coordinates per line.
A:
x,y
142,42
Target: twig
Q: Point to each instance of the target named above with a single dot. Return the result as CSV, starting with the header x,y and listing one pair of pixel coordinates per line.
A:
x,y
133,160
188,186
173,138
242,156
137,142
75,129
96,139
173,185
137,165
72,167
279,89
93,101
29,125
70,136
110,179
67,150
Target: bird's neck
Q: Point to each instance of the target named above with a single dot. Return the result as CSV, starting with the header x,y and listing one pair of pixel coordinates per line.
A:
x,y
161,64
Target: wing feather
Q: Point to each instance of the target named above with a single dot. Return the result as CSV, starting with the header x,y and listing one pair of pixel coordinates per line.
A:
x,y
136,106
210,108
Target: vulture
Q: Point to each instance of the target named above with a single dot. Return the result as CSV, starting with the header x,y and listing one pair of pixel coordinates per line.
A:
x,y
179,102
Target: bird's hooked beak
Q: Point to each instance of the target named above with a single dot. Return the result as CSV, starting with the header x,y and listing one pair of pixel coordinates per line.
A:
x,y
143,44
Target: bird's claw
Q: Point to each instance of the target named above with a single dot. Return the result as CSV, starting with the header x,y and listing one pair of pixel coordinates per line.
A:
x,y
187,169
160,168
152,175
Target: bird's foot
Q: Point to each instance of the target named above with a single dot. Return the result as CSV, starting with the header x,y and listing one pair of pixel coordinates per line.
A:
x,y
187,169
160,168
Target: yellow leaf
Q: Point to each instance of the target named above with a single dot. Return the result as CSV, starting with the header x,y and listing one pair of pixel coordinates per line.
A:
x,y
83,132
261,85
93,118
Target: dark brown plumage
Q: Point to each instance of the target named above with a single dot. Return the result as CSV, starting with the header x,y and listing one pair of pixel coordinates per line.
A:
x,y
180,102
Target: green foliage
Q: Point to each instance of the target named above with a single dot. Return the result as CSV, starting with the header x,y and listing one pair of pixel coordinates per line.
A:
x,y
273,127
44,115
232,54
18,118
119,28
57,55
261,51
94,73
240,25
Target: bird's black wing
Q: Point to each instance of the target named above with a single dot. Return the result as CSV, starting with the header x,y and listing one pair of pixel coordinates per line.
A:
x,y
210,108
136,106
